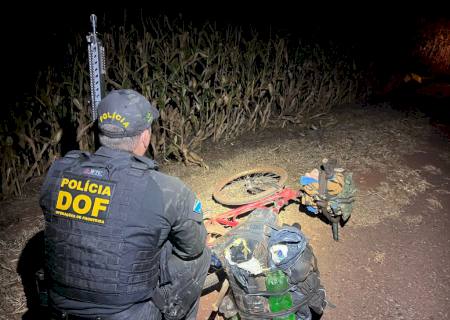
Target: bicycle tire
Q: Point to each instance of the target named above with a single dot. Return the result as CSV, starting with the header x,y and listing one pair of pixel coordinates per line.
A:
x,y
220,194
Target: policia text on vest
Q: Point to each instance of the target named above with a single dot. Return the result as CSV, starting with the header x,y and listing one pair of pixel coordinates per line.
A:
x,y
83,199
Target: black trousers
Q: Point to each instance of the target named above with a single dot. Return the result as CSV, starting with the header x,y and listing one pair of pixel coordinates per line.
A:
x,y
177,299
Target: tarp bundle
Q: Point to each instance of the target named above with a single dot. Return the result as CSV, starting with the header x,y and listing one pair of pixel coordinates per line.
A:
x,y
258,246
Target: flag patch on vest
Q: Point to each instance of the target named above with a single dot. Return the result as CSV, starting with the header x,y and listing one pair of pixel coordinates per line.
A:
x,y
83,199
198,207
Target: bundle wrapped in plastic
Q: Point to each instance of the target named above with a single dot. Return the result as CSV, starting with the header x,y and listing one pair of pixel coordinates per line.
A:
x,y
256,250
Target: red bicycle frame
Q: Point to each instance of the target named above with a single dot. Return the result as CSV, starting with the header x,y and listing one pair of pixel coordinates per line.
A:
x,y
278,199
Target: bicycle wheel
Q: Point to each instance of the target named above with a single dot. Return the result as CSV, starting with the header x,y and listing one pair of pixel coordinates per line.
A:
x,y
251,185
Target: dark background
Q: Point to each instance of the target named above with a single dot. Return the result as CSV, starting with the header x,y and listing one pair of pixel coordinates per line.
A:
x,y
37,36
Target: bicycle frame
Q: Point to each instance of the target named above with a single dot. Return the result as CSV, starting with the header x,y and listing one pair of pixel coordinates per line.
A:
x,y
279,199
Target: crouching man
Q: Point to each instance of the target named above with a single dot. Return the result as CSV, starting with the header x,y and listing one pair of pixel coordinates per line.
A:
x,y
122,240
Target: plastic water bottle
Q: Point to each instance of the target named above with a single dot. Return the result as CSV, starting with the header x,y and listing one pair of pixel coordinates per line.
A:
x,y
277,281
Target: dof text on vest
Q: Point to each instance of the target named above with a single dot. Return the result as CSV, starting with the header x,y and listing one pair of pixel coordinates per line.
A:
x,y
100,240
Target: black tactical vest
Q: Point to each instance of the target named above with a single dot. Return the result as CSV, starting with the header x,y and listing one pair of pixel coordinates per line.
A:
x,y
101,242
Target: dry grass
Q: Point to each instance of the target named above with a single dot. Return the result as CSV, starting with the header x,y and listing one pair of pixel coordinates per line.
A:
x,y
442,191
432,169
445,156
379,257
13,301
434,204
414,220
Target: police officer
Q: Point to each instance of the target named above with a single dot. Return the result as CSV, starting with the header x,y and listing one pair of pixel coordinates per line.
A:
x,y
122,240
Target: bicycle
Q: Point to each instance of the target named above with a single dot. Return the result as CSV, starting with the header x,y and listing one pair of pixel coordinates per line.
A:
x,y
261,187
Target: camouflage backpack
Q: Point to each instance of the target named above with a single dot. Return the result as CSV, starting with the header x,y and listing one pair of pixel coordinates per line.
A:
x,y
329,190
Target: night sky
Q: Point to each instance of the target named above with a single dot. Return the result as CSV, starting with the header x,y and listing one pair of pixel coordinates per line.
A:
x,y
36,36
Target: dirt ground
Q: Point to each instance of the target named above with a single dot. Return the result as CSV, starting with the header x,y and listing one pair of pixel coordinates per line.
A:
x,y
392,260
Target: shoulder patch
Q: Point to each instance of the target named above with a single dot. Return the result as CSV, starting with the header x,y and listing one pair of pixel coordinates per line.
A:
x,y
197,207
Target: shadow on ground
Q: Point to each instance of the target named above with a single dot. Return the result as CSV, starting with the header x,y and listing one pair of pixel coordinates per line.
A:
x,y
30,262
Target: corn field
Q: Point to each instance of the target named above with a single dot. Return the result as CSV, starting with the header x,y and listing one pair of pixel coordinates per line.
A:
x,y
209,85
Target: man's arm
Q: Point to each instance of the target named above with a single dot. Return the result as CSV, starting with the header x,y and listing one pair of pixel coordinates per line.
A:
x,y
183,210
188,231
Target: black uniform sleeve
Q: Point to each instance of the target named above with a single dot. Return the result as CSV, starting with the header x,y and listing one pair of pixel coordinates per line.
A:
x,y
183,210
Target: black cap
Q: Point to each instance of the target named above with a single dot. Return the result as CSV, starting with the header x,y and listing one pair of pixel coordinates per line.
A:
x,y
128,111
